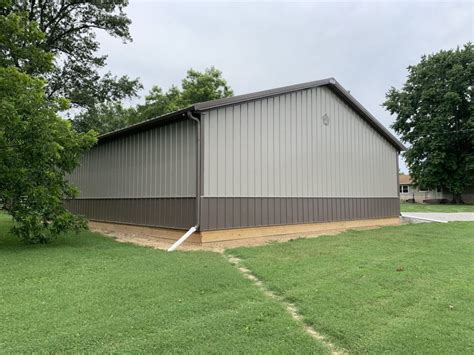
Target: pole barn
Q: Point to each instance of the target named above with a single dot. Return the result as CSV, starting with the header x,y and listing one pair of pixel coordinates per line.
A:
x,y
291,160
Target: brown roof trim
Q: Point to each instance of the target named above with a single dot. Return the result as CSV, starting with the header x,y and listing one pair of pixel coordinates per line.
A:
x,y
140,126
203,106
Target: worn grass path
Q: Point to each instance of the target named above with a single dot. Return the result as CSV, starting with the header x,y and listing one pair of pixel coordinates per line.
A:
x,y
289,307
407,289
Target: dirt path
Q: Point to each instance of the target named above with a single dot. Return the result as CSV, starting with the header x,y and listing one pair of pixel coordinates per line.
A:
x,y
289,307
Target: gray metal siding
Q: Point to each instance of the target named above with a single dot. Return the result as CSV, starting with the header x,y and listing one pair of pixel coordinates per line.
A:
x,y
241,212
159,162
280,147
156,212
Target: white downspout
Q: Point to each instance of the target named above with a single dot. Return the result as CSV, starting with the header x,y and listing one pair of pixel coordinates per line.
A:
x,y
198,185
183,238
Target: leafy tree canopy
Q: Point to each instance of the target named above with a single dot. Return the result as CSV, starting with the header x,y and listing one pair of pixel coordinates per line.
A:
x,y
435,115
195,87
37,147
68,30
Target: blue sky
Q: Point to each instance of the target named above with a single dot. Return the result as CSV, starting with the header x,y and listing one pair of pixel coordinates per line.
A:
x,y
366,45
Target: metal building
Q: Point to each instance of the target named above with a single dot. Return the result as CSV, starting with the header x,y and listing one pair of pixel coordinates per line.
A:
x,y
295,156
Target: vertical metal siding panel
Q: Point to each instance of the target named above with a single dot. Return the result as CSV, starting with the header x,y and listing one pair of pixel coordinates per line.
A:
x,y
258,148
174,160
178,149
220,161
299,144
335,158
244,160
221,213
258,211
251,211
317,155
303,144
293,146
276,146
265,137
325,187
288,187
271,146
271,211
213,209
229,149
244,212
252,149
143,165
229,212
236,159
207,136
146,190
162,167
236,212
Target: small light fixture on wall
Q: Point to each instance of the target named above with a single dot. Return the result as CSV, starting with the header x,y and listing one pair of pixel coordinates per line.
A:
x,y
325,119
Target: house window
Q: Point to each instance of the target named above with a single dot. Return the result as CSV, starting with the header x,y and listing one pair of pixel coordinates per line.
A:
x,y
439,189
403,189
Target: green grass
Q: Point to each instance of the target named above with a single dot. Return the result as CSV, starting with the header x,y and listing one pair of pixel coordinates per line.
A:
x,y
420,207
407,289
88,293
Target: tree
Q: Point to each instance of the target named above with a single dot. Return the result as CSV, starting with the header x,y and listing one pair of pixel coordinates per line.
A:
x,y
196,87
37,147
69,34
435,115
105,117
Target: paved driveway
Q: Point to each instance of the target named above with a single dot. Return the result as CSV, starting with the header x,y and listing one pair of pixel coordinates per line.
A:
x,y
449,217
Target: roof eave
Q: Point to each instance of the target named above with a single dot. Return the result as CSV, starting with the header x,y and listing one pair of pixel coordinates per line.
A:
x,y
152,122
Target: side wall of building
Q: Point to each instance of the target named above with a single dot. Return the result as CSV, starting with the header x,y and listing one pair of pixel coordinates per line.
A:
x,y
146,178
300,157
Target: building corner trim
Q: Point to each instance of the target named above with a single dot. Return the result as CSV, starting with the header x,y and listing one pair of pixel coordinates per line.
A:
x,y
198,168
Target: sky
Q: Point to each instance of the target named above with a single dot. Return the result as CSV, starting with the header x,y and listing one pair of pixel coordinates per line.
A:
x,y
366,45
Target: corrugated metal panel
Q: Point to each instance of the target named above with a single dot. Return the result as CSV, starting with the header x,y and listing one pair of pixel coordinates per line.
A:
x,y
280,147
240,212
155,212
160,162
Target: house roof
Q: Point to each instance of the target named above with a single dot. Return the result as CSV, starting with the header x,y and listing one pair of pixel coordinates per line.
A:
x,y
405,180
203,106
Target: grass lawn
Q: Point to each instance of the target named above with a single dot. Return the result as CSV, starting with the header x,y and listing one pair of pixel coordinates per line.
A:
x,y
90,294
407,289
420,207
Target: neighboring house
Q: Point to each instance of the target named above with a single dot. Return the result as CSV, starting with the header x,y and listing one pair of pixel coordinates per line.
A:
x,y
411,193
292,158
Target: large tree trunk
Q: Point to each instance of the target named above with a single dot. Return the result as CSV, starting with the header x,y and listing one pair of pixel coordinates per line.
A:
x,y
457,199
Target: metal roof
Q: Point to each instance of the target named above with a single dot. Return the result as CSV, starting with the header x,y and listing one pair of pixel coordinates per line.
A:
x,y
203,106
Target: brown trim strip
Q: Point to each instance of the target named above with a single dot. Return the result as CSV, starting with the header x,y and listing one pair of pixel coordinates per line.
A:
x,y
177,213
239,212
